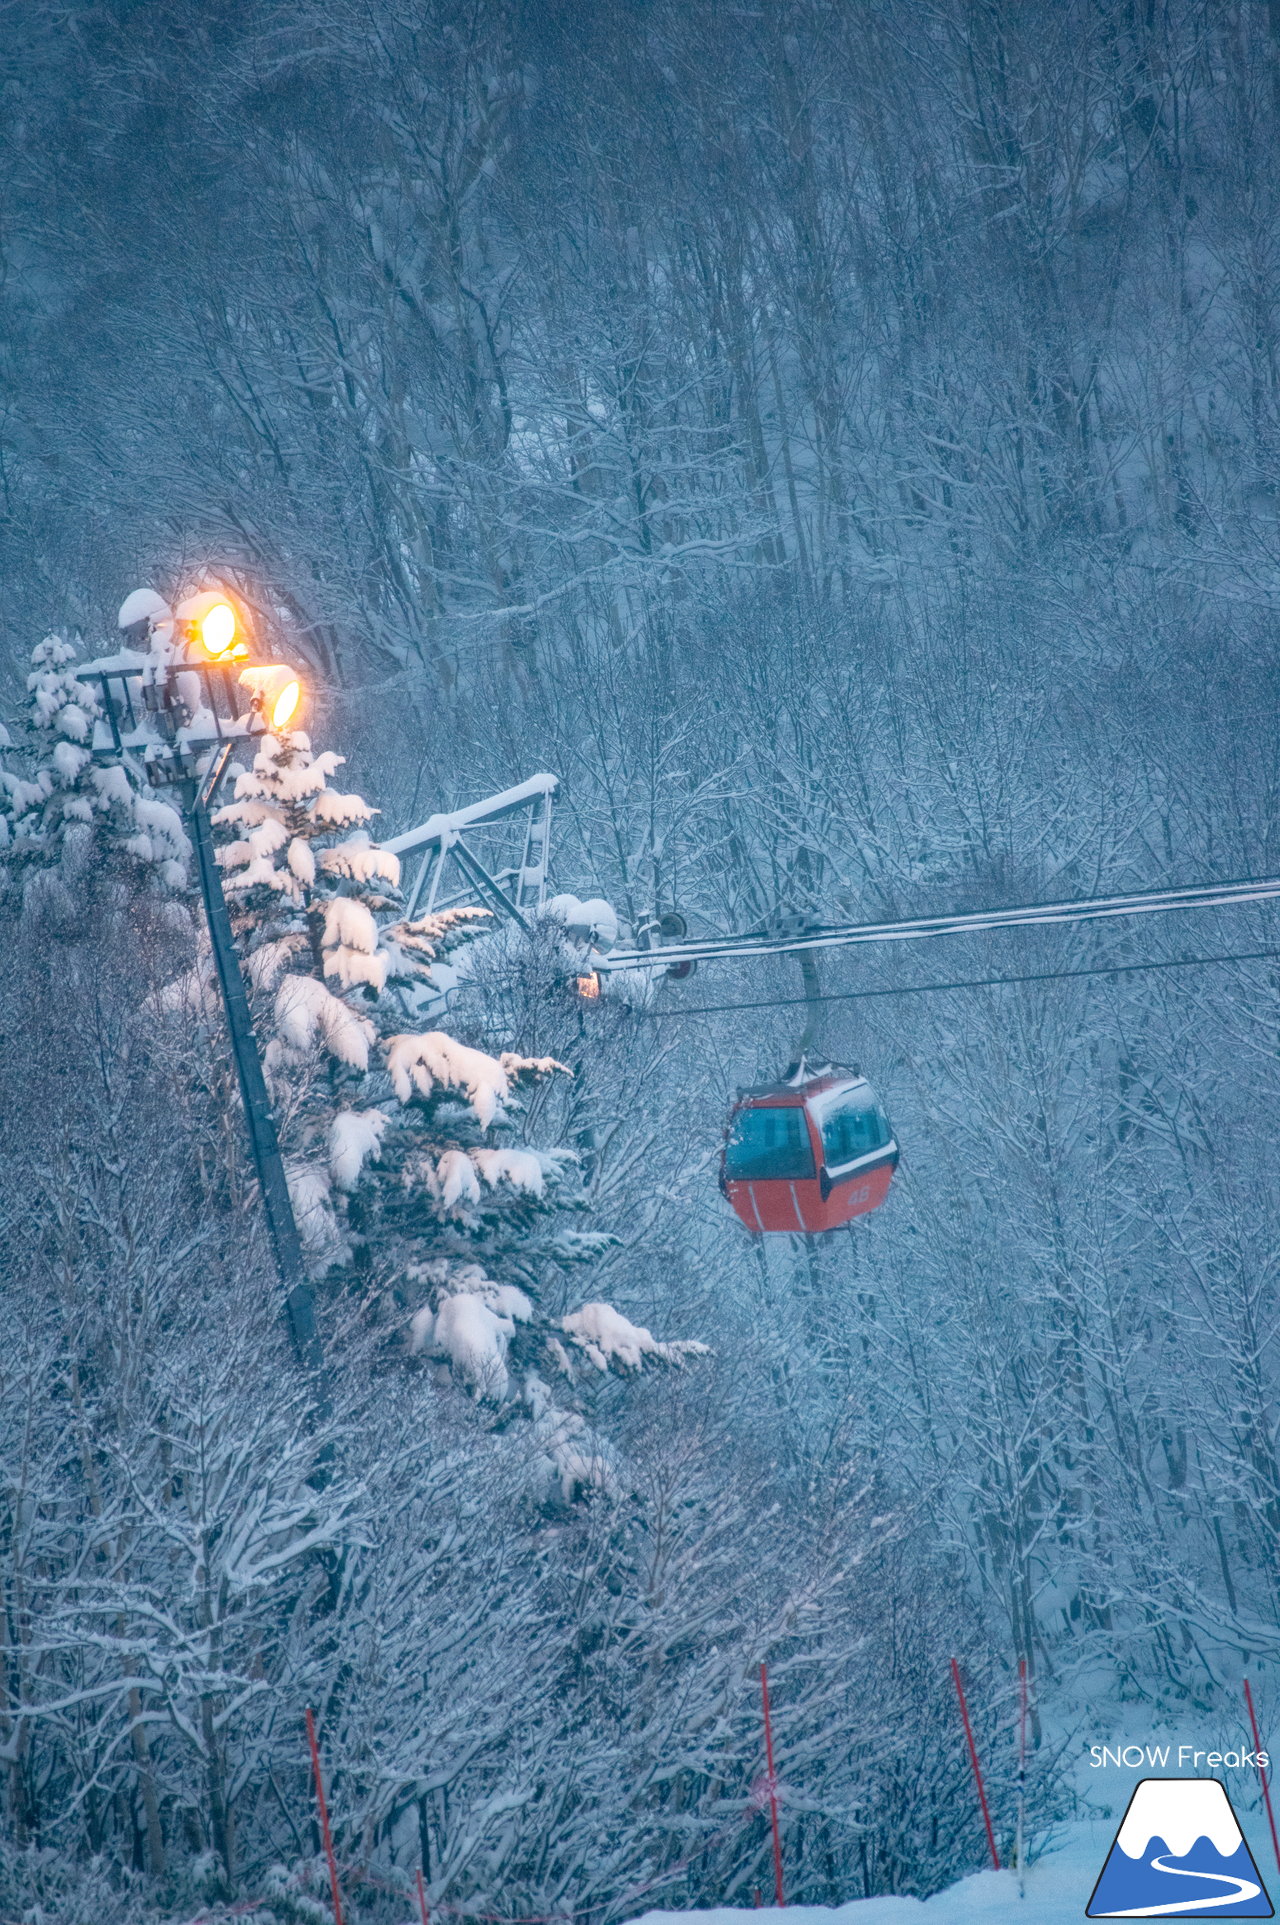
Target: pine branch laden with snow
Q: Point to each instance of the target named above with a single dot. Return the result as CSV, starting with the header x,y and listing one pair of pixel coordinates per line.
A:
x,y
611,1342
473,1328
310,1192
360,860
422,1064
309,1017
416,950
72,813
355,1136
350,944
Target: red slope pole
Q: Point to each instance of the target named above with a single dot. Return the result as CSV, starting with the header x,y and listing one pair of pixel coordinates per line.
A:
x,y
773,1789
1262,1776
422,1900
324,1819
977,1768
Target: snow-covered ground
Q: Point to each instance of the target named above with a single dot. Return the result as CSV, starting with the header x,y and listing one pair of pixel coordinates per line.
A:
x,y
1058,1887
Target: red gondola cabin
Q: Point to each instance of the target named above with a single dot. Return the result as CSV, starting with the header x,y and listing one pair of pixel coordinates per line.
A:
x,y
808,1154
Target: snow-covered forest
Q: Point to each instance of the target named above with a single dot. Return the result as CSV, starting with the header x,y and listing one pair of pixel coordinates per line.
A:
x,y
842,442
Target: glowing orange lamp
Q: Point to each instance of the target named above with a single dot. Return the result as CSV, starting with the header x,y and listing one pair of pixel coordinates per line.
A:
x,y
276,691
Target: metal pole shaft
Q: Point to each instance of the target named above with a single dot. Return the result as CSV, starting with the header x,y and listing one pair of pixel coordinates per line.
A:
x,y
263,1140
778,1892
1020,1847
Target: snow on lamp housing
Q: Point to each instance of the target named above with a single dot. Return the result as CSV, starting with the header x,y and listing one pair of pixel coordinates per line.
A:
x,y
174,698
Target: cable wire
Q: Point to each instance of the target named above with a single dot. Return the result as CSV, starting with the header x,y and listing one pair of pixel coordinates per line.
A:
x,y
979,982
1199,895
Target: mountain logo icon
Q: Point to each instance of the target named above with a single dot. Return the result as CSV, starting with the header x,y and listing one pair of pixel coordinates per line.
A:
x,y
1179,1853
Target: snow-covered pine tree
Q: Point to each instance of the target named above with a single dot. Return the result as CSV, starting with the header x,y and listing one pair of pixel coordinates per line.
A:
x,y
401,1142
72,815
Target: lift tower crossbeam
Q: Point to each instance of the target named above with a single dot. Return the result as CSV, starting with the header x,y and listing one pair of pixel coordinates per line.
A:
x,y
517,891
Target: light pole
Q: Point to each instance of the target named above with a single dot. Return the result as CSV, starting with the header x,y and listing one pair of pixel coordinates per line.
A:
x,y
264,1142
165,707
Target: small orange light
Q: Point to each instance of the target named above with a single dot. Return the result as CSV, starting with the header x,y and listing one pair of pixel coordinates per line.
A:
x,y
285,705
589,987
218,629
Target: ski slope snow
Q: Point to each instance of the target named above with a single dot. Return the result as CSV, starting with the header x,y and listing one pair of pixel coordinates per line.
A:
x,y
1058,1888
